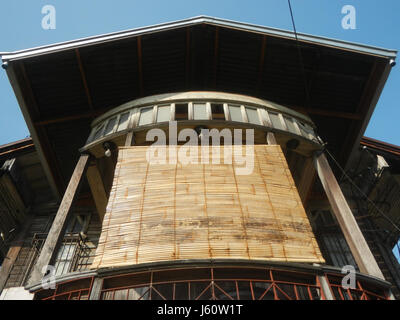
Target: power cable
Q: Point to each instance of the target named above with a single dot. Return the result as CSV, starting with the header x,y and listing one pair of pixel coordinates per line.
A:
x,y
300,58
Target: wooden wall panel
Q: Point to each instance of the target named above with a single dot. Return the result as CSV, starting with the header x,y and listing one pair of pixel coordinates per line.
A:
x,y
161,212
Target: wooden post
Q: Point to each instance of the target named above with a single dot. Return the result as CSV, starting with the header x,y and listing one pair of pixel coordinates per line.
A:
x,y
355,239
97,188
271,138
325,288
95,294
13,253
130,139
306,180
54,238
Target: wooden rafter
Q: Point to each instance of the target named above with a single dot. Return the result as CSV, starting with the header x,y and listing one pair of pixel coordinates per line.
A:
x,y
187,67
140,65
327,113
73,117
216,52
30,99
362,108
84,81
262,60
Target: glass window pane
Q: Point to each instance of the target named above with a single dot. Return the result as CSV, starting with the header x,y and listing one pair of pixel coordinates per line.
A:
x,y
110,126
200,111
181,111
276,121
306,130
146,116
236,113
290,125
61,268
123,121
252,116
97,135
163,113
217,111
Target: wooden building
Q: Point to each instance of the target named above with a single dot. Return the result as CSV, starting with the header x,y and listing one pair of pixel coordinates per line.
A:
x,y
86,214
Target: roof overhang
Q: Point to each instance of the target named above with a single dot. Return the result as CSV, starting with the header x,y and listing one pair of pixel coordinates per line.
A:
x,y
62,87
99,39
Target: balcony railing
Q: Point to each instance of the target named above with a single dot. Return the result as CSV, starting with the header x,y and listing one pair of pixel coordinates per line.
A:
x,y
74,255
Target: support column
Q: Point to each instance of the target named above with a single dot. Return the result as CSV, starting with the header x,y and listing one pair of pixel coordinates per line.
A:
x,y
95,293
97,188
130,139
325,288
348,224
56,233
270,137
306,180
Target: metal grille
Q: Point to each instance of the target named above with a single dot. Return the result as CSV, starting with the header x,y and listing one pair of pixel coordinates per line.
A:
x,y
74,255
276,285
362,291
70,290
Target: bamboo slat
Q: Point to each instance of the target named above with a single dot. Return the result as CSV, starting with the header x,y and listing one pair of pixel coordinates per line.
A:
x,y
163,212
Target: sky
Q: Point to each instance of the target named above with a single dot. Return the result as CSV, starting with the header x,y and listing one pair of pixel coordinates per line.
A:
x,y
377,24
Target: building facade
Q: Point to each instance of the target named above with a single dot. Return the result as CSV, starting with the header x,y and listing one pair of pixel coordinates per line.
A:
x,y
190,160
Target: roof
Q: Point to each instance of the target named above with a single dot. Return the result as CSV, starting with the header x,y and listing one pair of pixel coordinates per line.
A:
x,y
27,172
382,146
21,54
390,152
62,87
13,149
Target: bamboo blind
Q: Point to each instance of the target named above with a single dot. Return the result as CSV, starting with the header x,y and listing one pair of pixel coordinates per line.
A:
x,y
162,212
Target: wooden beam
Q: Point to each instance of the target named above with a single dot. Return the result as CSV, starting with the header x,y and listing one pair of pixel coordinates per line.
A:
x,y
95,293
84,81
262,60
327,113
56,233
187,57
306,180
216,51
140,65
130,139
348,224
270,138
367,97
13,253
91,114
34,112
29,96
98,192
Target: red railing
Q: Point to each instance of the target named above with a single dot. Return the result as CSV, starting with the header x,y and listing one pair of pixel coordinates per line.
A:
x,y
362,291
220,288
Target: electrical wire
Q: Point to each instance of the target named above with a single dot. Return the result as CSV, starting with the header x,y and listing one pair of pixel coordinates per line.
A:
x,y
307,92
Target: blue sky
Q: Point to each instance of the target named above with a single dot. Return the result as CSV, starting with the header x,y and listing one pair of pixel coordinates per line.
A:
x,y
378,24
